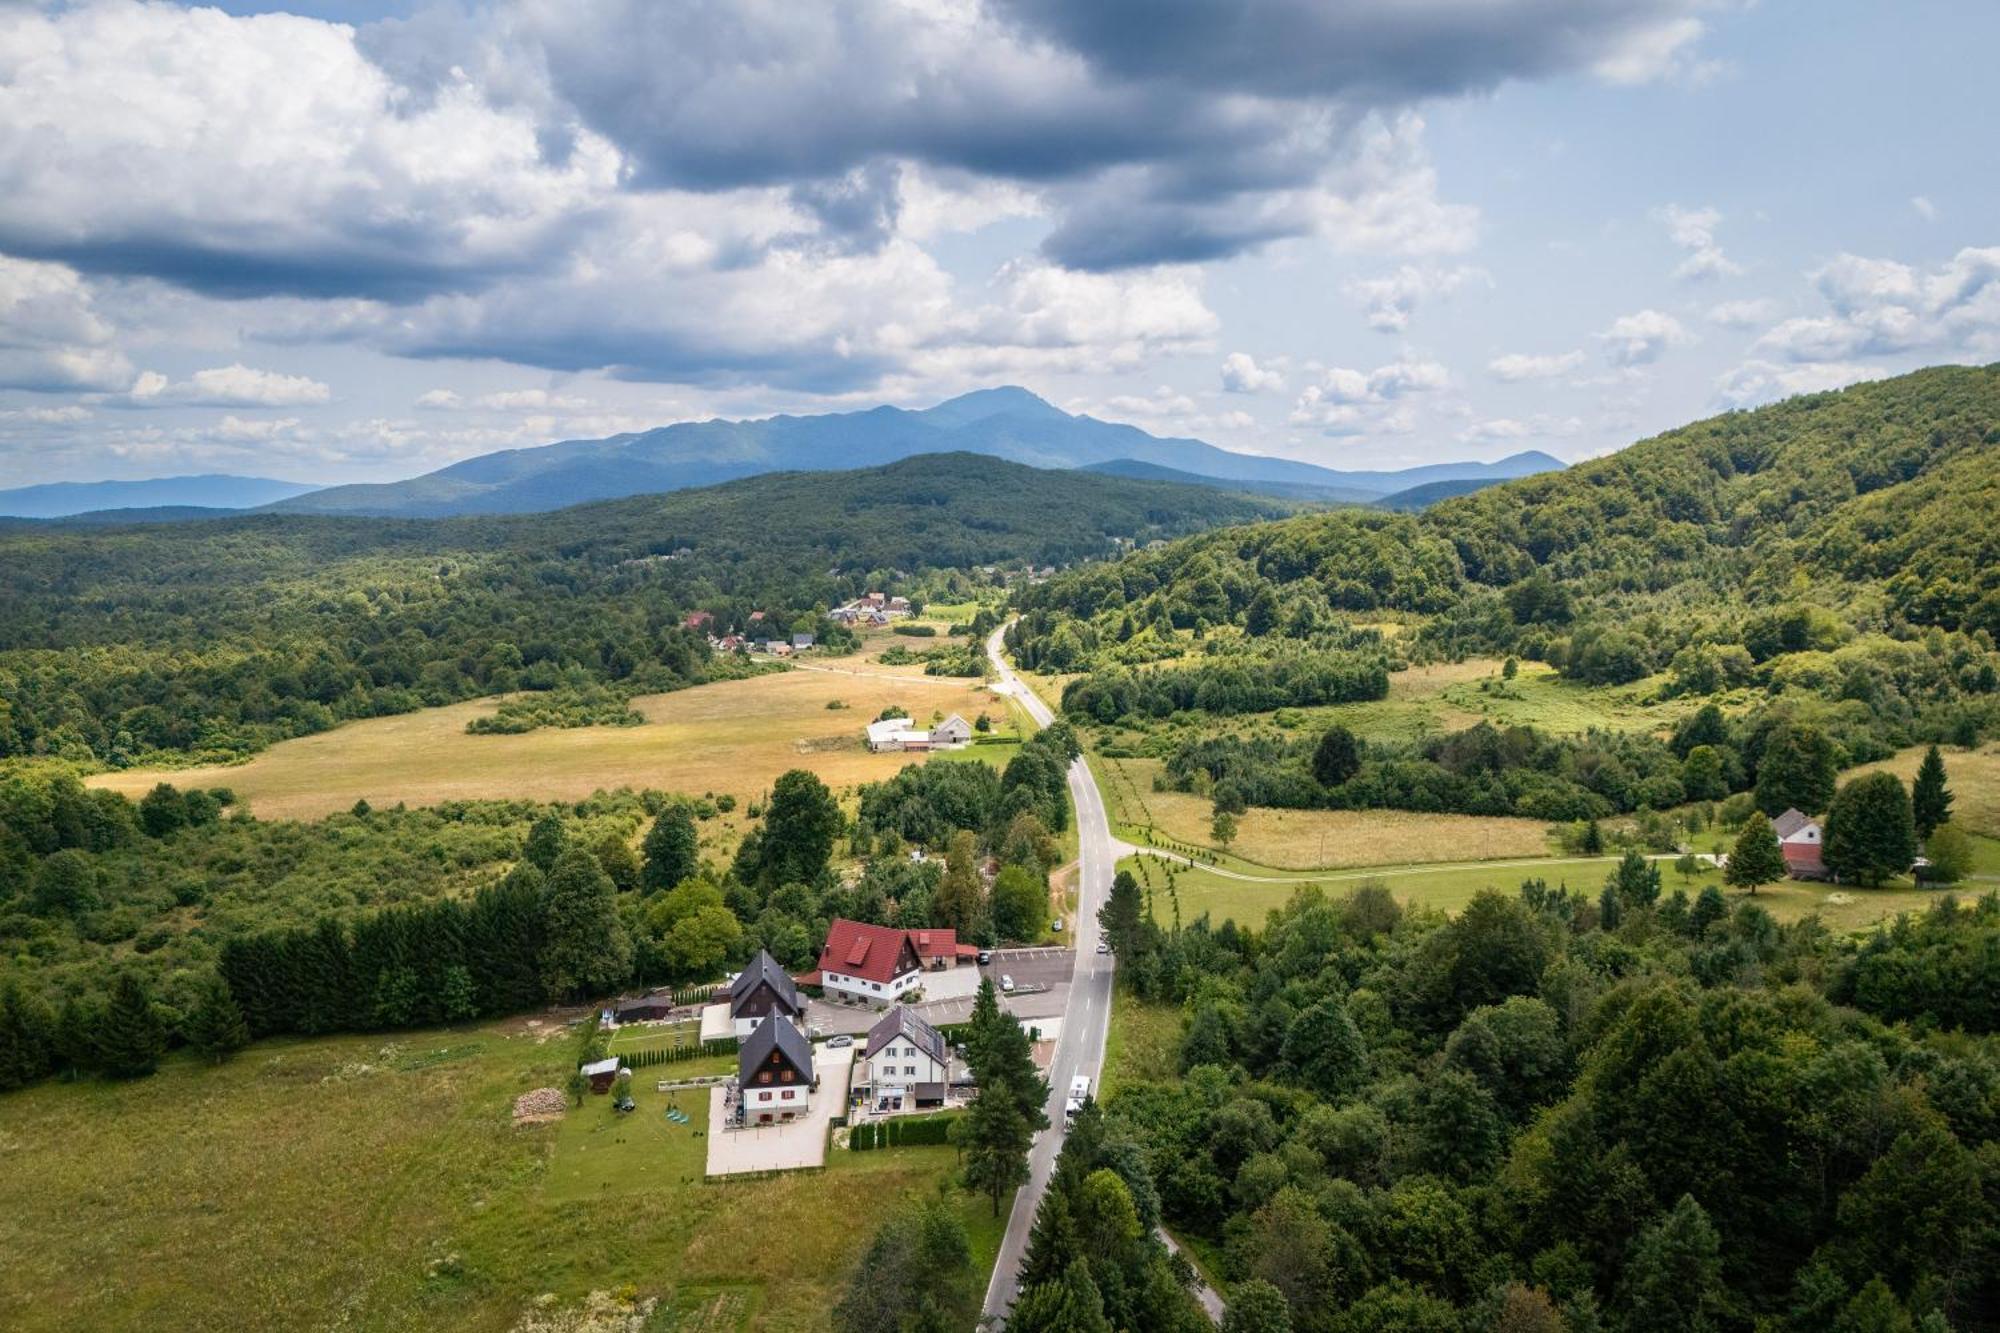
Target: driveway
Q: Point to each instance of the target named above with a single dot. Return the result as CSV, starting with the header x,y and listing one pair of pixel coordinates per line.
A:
x,y
781,1147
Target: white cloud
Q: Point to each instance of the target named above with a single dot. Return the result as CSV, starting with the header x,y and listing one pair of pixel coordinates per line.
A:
x,y
52,339
1388,302
228,386
1517,366
1660,50
441,400
1880,307
48,416
1756,382
1742,314
1351,402
1693,230
1641,338
261,428
1501,429
1242,374
1924,208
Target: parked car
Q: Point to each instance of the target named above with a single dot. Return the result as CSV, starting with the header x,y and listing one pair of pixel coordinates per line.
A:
x,y
1104,946
1006,982
985,957
842,1040
1056,924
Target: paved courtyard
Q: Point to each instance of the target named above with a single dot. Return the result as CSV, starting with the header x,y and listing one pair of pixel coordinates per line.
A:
x,y
781,1147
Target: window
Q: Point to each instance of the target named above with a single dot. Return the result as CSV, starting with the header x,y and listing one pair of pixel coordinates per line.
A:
x,y
909,1069
764,1076
786,1077
787,1096
763,1096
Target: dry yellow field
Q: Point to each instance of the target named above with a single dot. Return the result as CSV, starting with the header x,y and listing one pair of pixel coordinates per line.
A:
x,y
733,736
1973,776
1319,839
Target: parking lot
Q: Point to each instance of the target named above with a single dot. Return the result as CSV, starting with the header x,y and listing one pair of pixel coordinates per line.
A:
x,y
1031,969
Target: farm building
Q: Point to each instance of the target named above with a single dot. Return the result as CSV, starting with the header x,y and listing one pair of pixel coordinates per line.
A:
x,y
762,990
774,1067
901,733
1799,840
643,1008
908,1063
601,1073
863,964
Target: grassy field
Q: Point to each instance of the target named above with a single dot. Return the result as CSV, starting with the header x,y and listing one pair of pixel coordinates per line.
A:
x,y
1142,1043
366,1184
1312,839
1450,887
731,737
1972,775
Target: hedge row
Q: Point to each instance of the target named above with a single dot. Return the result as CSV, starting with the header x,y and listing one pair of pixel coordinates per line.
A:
x,y
911,1131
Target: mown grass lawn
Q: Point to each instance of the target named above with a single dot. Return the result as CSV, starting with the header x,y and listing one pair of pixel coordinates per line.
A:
x,y
378,1183
1198,890
1142,1043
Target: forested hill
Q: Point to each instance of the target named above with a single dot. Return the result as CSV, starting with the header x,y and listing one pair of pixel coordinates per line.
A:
x,y
218,637
1800,526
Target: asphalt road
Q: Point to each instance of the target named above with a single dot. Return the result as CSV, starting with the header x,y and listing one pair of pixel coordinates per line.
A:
x,y
1080,1048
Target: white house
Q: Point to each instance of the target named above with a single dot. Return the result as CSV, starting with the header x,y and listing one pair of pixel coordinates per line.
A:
x,y
907,1059
774,1073
901,733
1796,827
863,964
1799,841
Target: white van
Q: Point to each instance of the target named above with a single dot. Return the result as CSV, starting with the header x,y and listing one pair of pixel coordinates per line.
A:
x,y
1079,1093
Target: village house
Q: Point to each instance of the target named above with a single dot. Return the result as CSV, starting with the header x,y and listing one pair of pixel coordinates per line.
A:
x,y
863,964
1799,840
643,1008
774,1073
907,1063
901,733
763,990
939,950
601,1073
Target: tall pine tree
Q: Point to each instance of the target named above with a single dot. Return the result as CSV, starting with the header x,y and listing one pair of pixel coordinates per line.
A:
x,y
1930,798
132,1039
215,1026
670,850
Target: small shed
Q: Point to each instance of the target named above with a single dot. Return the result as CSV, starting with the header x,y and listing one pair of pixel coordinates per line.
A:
x,y
601,1073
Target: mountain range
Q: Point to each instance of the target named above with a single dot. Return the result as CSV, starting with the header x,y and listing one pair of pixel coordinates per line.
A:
x,y
60,499
1009,423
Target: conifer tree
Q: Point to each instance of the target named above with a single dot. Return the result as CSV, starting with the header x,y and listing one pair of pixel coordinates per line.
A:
x,y
1930,798
588,951
1756,858
671,849
27,1037
215,1026
132,1038
546,841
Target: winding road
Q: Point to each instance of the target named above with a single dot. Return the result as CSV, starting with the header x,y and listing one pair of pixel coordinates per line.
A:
x,y
1080,1047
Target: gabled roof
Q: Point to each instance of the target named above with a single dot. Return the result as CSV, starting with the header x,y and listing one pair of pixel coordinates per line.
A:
x,y
761,969
905,1022
1790,822
873,953
775,1033
935,943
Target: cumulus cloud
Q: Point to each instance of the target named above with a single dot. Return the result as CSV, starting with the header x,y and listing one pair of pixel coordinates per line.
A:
x,y
1498,430
1388,302
1756,382
227,386
1693,230
1242,374
1353,402
1517,366
1742,314
1642,338
1879,307
52,339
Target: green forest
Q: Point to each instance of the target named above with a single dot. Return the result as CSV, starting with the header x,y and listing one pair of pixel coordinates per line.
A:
x,y
209,640
1561,1111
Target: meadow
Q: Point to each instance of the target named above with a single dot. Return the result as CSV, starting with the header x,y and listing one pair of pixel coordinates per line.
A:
x,y
380,1184
1447,888
732,737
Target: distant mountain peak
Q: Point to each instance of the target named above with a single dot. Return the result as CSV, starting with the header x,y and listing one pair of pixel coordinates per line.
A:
x,y
1002,400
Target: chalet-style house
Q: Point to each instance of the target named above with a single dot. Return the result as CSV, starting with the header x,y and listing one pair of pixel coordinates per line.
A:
x,y
1799,840
774,1072
862,964
908,1062
760,991
900,733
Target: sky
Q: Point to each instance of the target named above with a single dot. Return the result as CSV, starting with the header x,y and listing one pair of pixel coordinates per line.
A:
x,y
360,241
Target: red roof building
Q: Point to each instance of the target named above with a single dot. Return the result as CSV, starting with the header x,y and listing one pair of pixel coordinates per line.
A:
x,y
871,964
695,619
936,948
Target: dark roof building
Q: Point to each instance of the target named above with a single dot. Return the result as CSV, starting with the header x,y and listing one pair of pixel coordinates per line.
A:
x,y
1791,823
904,1023
777,1052
763,988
